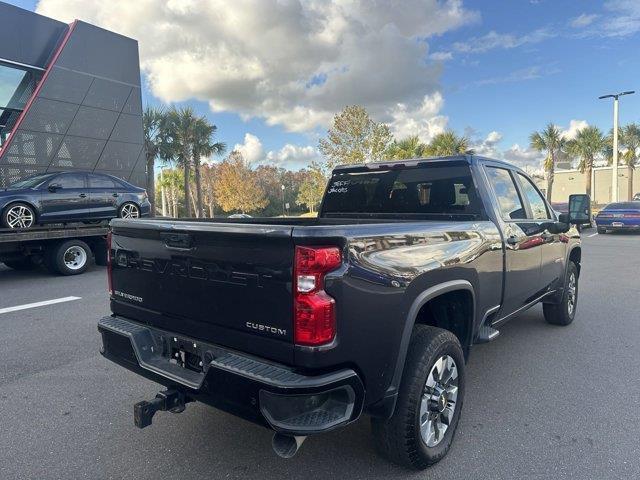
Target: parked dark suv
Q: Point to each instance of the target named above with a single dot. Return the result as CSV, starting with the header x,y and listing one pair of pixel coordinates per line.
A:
x,y
70,197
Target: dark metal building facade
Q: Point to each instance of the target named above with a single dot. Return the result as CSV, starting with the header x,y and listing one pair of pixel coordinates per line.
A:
x,y
69,99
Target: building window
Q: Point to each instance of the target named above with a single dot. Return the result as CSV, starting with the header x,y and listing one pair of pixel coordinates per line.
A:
x,y
16,87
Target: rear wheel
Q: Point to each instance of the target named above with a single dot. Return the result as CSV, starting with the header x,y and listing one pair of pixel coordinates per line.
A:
x,y
18,215
564,312
69,258
129,210
427,412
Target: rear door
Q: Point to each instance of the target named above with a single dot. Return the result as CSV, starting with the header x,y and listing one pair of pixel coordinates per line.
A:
x,y
523,252
104,193
70,199
224,283
552,245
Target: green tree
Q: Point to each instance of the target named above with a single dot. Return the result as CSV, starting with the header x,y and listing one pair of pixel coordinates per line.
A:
x,y
354,138
409,147
629,138
313,187
203,146
448,143
172,184
551,141
588,144
152,123
236,187
180,130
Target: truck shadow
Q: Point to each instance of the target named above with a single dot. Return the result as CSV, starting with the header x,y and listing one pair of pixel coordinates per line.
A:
x,y
244,450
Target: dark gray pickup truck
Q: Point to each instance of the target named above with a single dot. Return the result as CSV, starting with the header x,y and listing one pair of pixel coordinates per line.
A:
x,y
302,325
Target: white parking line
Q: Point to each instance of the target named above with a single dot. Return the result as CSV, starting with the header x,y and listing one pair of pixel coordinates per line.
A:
x,y
38,304
592,235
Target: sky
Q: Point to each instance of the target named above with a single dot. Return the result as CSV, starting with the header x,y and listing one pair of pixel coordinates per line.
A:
x,y
271,74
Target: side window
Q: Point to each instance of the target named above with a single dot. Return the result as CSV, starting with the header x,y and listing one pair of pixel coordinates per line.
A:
x,y
508,199
536,202
98,181
70,180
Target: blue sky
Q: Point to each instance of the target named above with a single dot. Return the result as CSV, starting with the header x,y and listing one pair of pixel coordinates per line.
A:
x,y
493,70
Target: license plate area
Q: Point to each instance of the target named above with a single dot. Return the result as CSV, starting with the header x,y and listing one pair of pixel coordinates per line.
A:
x,y
184,353
617,224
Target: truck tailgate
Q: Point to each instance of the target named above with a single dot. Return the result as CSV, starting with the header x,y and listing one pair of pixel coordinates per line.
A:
x,y
228,284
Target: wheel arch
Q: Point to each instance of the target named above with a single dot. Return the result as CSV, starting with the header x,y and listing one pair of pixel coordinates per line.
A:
x,y
26,202
386,406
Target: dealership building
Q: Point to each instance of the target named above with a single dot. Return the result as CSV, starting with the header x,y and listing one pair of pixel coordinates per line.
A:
x,y
567,182
70,99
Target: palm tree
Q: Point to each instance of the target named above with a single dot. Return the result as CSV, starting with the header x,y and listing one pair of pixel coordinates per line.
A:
x,y
630,139
550,140
409,147
171,182
448,143
152,122
180,126
589,143
203,146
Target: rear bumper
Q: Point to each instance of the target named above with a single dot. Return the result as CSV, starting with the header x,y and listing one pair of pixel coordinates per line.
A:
x,y
618,224
263,392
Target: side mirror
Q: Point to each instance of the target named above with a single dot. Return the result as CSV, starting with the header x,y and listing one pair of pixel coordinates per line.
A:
x,y
579,209
54,187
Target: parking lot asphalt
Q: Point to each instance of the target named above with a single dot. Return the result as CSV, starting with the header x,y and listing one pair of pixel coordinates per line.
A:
x,y
541,401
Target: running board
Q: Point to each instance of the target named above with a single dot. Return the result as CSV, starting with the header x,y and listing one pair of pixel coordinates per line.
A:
x,y
486,334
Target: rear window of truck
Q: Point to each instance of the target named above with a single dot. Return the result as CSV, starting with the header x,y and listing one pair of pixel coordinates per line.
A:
x,y
437,191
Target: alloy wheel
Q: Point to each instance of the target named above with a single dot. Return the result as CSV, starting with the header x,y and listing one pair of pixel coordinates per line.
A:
x,y
439,400
130,210
571,294
20,216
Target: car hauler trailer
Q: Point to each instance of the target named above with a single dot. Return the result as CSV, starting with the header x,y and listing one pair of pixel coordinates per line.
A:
x,y
63,249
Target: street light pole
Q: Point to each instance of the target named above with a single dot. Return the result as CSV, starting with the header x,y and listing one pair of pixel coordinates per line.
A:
x,y
614,173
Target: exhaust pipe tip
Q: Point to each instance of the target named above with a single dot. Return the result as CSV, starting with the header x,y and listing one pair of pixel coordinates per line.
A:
x,y
286,446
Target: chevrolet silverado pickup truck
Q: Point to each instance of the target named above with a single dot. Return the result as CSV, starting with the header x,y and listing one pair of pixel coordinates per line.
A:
x,y
304,324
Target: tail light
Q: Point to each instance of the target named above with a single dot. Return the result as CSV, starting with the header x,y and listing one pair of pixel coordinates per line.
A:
x,y
631,215
314,311
605,215
109,265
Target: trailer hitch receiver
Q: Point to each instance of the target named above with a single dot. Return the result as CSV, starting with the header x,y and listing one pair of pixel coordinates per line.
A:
x,y
171,400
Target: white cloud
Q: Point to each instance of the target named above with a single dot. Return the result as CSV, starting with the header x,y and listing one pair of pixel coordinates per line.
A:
x,y
494,40
583,20
251,149
441,56
293,63
293,156
574,127
422,120
489,146
624,19
521,75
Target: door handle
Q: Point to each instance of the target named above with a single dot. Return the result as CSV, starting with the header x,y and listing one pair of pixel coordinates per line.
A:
x,y
83,195
115,195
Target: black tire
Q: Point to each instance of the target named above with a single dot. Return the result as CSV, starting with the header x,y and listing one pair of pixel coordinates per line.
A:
x,y
561,313
399,438
60,259
28,208
22,265
602,230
